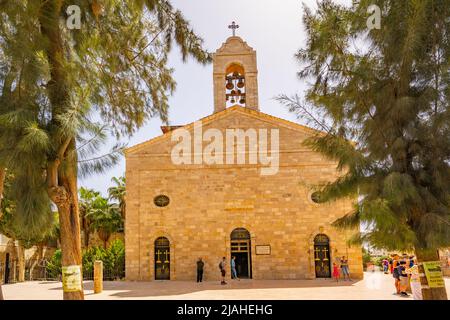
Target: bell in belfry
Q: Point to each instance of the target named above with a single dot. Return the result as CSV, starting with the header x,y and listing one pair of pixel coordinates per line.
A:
x,y
229,85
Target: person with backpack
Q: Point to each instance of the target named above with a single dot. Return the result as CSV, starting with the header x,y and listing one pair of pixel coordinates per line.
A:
x,y
222,267
396,275
403,278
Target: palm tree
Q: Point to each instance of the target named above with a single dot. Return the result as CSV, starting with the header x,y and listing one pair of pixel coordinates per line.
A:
x,y
118,193
106,219
89,200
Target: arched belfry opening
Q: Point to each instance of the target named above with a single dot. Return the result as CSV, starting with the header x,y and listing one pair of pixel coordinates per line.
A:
x,y
235,85
235,75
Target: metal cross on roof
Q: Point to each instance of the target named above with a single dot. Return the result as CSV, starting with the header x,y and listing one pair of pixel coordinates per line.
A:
x,y
233,26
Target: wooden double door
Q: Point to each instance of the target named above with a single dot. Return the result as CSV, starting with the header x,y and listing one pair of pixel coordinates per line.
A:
x,y
162,259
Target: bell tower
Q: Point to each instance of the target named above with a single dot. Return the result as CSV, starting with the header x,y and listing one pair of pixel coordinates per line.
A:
x,y
235,74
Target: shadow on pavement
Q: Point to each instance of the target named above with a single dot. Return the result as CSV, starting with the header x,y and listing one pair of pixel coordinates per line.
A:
x,y
171,288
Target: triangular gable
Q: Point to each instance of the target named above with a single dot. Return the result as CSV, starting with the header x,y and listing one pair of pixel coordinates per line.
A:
x,y
220,115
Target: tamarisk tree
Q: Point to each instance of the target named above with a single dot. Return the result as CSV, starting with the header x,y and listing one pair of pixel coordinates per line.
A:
x,y
381,97
62,87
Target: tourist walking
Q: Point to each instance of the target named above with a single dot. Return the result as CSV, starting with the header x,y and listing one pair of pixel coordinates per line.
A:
x,y
385,265
403,278
409,264
222,267
336,273
416,287
200,265
233,268
344,268
391,265
396,277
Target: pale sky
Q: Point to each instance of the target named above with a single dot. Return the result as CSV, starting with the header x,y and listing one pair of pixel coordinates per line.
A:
x,y
272,27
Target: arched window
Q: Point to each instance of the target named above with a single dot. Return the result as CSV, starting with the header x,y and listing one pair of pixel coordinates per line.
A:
x,y
240,234
321,239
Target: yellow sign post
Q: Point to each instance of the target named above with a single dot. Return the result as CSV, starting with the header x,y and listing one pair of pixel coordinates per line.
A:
x,y
433,272
71,278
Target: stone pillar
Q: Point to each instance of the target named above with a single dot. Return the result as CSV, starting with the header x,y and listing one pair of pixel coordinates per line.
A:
x,y
219,92
252,91
98,276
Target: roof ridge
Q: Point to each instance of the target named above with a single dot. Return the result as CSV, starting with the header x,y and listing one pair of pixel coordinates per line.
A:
x,y
221,114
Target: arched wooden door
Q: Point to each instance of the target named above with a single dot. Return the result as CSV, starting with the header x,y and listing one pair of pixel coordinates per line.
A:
x,y
162,259
241,249
322,256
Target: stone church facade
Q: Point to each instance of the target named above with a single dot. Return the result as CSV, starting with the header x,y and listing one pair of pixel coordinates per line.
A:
x,y
178,212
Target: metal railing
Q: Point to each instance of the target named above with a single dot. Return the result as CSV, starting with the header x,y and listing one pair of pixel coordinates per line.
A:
x,y
36,270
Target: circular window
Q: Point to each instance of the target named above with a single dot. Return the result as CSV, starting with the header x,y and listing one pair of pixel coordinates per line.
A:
x,y
315,197
161,201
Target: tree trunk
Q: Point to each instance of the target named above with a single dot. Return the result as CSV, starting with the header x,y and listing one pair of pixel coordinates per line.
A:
x,y
70,225
61,182
424,255
21,262
62,188
86,238
2,181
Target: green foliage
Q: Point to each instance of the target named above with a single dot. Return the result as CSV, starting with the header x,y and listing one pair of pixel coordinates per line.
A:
x,y
379,261
380,99
54,266
106,219
98,214
64,92
118,193
113,261
366,258
40,228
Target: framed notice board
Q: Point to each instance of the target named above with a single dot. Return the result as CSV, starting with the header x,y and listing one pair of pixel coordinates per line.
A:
x,y
263,249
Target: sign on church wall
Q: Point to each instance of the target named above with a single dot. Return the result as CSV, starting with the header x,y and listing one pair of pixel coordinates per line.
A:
x,y
263,249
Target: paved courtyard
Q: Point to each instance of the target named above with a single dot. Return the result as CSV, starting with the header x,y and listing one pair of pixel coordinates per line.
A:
x,y
375,286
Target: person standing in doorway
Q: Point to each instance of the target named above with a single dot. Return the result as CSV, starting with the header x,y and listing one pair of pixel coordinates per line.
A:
x,y
200,265
344,268
233,268
222,267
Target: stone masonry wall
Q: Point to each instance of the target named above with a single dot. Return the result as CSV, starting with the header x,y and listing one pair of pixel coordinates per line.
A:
x,y
208,202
